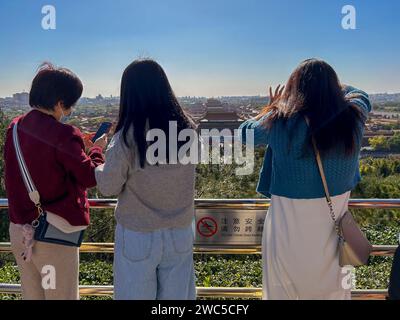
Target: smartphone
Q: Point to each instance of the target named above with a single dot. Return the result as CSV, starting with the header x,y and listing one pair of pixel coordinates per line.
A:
x,y
103,129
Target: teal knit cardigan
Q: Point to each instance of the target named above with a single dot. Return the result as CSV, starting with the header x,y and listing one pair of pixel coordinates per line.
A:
x,y
292,174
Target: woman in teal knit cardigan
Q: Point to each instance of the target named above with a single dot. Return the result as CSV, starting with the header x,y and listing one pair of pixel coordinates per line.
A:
x,y
300,259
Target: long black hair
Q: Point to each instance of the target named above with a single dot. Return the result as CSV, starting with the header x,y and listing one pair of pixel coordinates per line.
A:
x,y
314,90
147,96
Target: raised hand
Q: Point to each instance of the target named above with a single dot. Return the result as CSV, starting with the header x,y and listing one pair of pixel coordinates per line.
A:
x,y
275,96
272,98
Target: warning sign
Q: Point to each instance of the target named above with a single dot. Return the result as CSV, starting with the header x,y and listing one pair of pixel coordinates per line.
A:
x,y
207,227
219,227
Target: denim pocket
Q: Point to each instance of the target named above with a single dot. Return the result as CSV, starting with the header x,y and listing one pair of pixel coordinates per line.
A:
x,y
137,245
182,239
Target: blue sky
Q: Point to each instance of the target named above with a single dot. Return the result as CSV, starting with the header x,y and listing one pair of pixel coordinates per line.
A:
x,y
207,47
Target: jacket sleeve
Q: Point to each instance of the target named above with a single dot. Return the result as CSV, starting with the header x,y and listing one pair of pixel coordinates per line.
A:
x,y
113,174
359,98
70,152
254,128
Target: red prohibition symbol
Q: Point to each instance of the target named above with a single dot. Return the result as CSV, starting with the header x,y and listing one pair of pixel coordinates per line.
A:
x,y
207,227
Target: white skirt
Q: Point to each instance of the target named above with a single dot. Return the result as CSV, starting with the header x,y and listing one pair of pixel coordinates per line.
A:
x,y
300,258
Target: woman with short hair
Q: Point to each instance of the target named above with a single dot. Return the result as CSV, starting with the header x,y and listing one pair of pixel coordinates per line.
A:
x,y
61,170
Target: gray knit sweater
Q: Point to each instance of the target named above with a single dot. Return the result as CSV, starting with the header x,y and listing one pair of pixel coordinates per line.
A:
x,y
151,198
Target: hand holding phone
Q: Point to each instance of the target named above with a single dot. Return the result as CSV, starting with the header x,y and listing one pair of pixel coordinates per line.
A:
x,y
104,128
101,142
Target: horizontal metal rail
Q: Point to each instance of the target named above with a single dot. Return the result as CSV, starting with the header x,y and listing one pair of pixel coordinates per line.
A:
x,y
92,247
202,292
256,204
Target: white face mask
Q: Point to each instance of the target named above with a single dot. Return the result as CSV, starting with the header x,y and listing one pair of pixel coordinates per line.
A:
x,y
65,118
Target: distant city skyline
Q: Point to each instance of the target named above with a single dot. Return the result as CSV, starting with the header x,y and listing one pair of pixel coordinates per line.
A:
x,y
207,48
220,96
101,96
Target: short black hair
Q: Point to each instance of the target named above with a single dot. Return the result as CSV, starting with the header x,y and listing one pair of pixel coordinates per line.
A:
x,y
52,85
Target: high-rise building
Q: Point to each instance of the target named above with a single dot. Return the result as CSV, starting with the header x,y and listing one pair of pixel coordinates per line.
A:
x,y
21,99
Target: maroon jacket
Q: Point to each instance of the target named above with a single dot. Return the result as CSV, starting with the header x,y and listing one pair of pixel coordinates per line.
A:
x,y
55,156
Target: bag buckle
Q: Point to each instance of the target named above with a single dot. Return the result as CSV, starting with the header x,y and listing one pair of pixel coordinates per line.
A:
x,y
35,223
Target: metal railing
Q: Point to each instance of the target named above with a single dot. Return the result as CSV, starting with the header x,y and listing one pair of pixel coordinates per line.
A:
x,y
210,248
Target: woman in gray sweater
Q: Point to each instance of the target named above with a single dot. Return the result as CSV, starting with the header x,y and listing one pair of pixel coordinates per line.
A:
x,y
153,256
